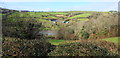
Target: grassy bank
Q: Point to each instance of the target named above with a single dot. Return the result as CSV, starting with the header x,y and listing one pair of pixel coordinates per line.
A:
x,y
58,42
113,39
55,42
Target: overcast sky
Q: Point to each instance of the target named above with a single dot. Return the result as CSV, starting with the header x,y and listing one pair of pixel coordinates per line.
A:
x,y
61,5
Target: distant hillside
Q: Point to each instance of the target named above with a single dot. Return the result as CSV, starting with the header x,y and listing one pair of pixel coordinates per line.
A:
x,y
4,11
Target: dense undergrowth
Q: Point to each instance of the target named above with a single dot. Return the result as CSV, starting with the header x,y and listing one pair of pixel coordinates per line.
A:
x,y
80,49
23,47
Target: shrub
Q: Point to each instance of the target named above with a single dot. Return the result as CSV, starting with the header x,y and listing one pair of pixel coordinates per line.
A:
x,y
23,47
66,33
21,28
85,35
80,49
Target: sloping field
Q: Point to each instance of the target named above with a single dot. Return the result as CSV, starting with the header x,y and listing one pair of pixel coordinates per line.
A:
x,y
81,15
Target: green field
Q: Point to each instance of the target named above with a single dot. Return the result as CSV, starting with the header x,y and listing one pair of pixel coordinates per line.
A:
x,y
55,42
81,15
41,20
114,39
58,42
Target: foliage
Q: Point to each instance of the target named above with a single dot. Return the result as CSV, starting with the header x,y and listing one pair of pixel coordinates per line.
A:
x,y
23,47
21,29
85,35
99,26
66,34
80,49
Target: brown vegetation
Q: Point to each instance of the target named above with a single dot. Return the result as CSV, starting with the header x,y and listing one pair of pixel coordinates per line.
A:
x,y
99,26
